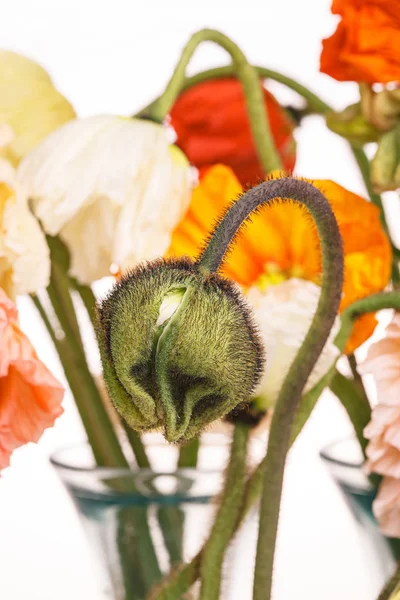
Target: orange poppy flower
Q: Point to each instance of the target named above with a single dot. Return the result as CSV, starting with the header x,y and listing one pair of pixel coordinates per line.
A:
x,y
30,397
282,242
212,125
365,45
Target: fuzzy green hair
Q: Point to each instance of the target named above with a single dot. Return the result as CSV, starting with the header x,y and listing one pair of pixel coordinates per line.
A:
x,y
196,367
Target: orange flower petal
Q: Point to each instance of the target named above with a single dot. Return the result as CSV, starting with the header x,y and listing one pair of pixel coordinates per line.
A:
x,y
283,239
363,328
365,45
30,397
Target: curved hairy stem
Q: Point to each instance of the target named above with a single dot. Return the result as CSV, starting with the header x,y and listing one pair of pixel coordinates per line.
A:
x,y
184,576
252,88
289,189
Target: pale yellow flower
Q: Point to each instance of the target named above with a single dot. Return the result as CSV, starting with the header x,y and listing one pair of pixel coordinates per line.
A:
x,y
383,431
24,254
114,189
29,103
284,312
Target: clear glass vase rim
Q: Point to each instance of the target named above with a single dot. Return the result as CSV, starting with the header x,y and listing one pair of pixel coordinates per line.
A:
x,y
327,454
66,465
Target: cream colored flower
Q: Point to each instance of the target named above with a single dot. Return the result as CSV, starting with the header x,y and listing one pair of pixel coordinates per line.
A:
x,y
284,313
29,103
24,254
383,431
113,188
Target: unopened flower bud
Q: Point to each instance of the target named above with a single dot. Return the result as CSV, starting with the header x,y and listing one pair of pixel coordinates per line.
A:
x,y
385,166
179,348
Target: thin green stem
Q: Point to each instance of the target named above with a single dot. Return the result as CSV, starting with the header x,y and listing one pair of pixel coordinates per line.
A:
x,y
249,79
178,582
40,308
184,576
353,401
314,201
391,591
188,454
224,526
315,104
357,379
138,448
88,299
62,301
364,166
99,429
208,561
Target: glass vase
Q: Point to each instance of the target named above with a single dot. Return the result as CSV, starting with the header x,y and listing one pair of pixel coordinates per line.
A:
x,y
141,523
344,461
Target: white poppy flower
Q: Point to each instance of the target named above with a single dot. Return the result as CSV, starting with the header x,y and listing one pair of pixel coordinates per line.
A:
x,y
24,254
284,313
114,189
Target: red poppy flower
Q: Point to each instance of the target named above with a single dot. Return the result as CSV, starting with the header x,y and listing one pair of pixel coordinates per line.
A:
x,y
212,126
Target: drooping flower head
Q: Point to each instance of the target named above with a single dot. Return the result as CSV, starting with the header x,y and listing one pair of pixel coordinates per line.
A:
x,y
365,45
112,188
212,125
29,104
30,397
383,431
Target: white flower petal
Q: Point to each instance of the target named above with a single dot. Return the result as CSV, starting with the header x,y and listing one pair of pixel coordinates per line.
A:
x,y
284,313
24,254
114,189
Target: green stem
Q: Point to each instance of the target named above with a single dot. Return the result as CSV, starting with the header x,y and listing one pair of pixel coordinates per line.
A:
x,y
372,304
290,395
137,446
208,561
253,93
99,429
364,166
88,299
315,104
224,526
357,379
188,454
178,582
391,591
353,401
39,307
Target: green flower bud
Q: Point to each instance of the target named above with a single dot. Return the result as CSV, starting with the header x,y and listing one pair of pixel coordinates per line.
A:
x,y
352,125
178,346
385,166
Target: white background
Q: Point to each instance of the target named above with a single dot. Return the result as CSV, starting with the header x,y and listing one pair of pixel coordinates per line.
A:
x,y
113,57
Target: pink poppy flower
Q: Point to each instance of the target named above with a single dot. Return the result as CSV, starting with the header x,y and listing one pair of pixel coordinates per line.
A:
x,y
30,397
383,431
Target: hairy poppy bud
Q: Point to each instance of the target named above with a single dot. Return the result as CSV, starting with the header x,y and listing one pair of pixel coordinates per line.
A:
x,y
385,166
178,346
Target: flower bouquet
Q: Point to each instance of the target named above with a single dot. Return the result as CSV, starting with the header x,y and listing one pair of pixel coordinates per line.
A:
x,y
239,292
